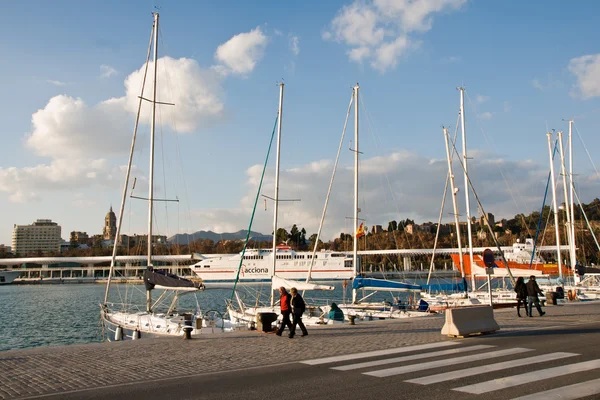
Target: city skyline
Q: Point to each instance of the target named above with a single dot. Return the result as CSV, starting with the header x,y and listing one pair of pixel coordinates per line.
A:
x,y
70,90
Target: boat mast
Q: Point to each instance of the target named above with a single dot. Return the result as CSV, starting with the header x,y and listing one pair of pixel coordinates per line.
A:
x,y
454,205
464,155
151,172
572,203
558,258
276,197
567,209
126,185
355,241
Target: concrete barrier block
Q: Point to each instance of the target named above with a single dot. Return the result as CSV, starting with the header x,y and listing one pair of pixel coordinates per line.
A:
x,y
465,321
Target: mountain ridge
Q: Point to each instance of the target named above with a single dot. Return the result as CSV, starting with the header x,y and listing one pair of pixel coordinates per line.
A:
x,y
185,238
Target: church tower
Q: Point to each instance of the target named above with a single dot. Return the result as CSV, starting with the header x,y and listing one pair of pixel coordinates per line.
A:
x,y
110,226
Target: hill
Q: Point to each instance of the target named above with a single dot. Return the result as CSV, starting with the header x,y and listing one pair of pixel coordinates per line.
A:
x,y
185,238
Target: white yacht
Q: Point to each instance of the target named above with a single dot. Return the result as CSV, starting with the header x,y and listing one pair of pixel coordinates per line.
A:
x,y
257,263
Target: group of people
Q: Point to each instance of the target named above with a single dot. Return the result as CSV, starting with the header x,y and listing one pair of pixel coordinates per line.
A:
x,y
527,295
291,304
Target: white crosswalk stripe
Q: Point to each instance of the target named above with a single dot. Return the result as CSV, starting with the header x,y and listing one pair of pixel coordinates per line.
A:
x,y
462,373
378,353
570,392
479,353
411,357
522,379
444,363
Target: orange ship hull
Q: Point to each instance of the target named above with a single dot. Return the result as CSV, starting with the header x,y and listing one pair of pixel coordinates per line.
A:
x,y
515,267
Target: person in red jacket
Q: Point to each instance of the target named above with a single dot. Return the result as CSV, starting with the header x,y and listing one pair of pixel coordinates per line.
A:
x,y
286,310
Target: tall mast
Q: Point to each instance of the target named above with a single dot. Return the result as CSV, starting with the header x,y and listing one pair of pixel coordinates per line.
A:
x,y
558,258
355,241
567,209
151,183
571,188
276,197
454,204
465,170
126,185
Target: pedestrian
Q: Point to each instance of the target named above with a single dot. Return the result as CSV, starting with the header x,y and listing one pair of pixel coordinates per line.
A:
x,y
286,309
521,290
532,296
298,308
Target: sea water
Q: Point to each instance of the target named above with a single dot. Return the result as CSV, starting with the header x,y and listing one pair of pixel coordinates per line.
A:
x,y
63,314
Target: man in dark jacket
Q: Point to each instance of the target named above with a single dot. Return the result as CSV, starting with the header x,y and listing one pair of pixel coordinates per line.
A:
x,y
286,310
532,296
298,307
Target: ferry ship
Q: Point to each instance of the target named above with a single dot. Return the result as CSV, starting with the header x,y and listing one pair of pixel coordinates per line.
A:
x,y
518,259
8,276
258,263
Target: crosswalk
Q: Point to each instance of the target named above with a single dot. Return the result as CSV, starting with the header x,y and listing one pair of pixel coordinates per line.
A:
x,y
423,362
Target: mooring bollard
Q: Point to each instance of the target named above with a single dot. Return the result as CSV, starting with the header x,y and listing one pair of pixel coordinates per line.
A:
x,y
351,319
187,332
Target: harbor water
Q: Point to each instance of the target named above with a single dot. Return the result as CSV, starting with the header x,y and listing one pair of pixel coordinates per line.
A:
x,y
63,314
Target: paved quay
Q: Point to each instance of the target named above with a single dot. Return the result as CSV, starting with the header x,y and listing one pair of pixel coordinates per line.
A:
x,y
45,371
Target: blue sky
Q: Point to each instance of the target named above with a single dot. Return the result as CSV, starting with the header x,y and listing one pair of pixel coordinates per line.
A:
x,y
69,84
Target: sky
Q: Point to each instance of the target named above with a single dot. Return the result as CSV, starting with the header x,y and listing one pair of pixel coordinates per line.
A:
x,y
72,73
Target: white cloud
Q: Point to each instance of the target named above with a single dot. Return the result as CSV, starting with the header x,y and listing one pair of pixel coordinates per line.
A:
x,y
545,84
85,143
416,186
481,99
507,107
383,29
107,71
294,45
240,54
587,72
485,115
452,59
55,83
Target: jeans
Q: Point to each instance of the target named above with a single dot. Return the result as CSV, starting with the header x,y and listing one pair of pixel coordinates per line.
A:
x,y
298,322
531,300
285,321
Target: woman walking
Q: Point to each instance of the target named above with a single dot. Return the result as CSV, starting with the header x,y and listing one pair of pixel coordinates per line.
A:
x,y
521,290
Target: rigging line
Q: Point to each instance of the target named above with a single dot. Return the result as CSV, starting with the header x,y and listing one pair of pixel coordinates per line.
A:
x,y
129,164
371,130
237,276
537,230
586,219
512,279
586,150
442,206
509,186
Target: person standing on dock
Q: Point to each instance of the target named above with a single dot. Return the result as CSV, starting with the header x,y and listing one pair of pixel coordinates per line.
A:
x,y
521,290
532,296
286,309
298,308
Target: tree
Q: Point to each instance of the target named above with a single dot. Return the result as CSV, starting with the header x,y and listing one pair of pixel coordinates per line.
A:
x,y
392,226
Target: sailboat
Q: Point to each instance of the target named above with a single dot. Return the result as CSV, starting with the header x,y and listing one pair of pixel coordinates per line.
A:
x,y
251,315
122,321
362,308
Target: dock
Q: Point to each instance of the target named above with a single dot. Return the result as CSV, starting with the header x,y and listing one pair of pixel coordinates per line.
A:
x,y
76,369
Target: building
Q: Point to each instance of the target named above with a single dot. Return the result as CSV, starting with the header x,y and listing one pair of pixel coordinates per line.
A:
x,y
78,238
41,236
110,226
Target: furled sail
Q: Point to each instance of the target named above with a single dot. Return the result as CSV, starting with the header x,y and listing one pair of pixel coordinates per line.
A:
x,y
382,284
158,279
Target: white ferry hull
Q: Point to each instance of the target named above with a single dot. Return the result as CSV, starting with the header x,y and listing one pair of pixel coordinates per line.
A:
x,y
7,277
257,265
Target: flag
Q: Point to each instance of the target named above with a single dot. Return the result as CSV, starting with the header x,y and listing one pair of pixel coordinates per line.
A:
x,y
360,232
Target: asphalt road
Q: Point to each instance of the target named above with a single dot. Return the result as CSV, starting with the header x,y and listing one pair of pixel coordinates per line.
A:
x,y
505,365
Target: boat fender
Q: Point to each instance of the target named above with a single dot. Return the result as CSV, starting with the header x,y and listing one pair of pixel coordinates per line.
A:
x,y
118,334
